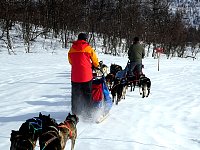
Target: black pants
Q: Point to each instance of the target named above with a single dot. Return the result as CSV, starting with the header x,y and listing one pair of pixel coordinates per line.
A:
x,y
81,98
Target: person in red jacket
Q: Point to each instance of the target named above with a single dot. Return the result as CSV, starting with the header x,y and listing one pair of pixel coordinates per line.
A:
x,y
82,58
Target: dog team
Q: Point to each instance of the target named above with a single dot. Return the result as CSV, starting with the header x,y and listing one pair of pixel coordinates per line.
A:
x,y
118,81
51,135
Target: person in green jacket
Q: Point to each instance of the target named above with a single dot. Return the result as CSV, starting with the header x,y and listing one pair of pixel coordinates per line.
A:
x,y
136,53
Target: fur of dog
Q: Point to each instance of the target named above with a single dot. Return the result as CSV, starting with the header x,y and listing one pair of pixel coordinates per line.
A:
x,y
114,89
125,87
131,82
144,86
114,68
102,70
68,130
21,142
109,80
26,137
111,76
49,138
118,90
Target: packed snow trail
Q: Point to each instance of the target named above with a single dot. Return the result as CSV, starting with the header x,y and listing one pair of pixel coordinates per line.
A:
x,y
167,120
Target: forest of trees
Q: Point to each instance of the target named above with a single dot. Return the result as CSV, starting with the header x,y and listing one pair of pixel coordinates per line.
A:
x,y
112,20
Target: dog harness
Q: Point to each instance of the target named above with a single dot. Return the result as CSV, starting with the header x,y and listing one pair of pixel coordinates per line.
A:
x,y
36,125
67,126
49,141
53,136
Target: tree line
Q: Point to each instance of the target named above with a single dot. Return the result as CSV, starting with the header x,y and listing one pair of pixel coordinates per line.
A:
x,y
117,22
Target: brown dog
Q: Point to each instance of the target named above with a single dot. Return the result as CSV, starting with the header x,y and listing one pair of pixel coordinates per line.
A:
x,y
68,130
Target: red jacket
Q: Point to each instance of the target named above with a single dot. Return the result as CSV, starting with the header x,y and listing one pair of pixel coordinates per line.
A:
x,y
81,56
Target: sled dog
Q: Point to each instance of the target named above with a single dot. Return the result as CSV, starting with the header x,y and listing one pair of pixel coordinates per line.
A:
x,y
49,138
68,130
144,86
118,90
26,137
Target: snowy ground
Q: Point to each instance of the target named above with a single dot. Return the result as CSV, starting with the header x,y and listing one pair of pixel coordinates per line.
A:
x,y
167,120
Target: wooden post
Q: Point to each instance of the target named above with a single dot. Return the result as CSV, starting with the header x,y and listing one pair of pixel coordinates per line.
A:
x,y
158,52
158,61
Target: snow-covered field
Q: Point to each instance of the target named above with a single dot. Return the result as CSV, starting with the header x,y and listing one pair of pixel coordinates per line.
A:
x,y
167,120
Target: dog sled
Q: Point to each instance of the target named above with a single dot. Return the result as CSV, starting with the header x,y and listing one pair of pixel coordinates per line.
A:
x,y
101,100
135,79
132,79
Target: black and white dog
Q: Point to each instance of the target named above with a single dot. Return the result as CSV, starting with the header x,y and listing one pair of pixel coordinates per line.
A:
x,y
118,90
102,70
144,86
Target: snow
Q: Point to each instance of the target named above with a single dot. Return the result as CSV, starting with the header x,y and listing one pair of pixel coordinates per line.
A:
x,y
167,120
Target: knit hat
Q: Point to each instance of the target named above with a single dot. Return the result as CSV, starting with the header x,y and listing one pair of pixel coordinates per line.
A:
x,y
136,39
82,36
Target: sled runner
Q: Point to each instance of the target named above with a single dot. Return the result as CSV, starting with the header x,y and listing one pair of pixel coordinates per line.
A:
x,y
102,118
101,99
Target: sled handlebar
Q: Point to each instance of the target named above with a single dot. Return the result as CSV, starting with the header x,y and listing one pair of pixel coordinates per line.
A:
x,y
96,68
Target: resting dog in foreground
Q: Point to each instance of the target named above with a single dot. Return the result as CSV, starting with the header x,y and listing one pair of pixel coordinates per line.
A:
x,y
144,86
67,130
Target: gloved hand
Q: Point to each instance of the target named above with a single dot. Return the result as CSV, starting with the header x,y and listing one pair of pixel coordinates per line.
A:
x,y
100,63
93,67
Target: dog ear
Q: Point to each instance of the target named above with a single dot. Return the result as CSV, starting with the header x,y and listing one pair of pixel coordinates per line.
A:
x,y
69,114
40,114
49,115
77,118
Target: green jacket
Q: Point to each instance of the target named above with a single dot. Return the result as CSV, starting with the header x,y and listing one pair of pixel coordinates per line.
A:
x,y
136,52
